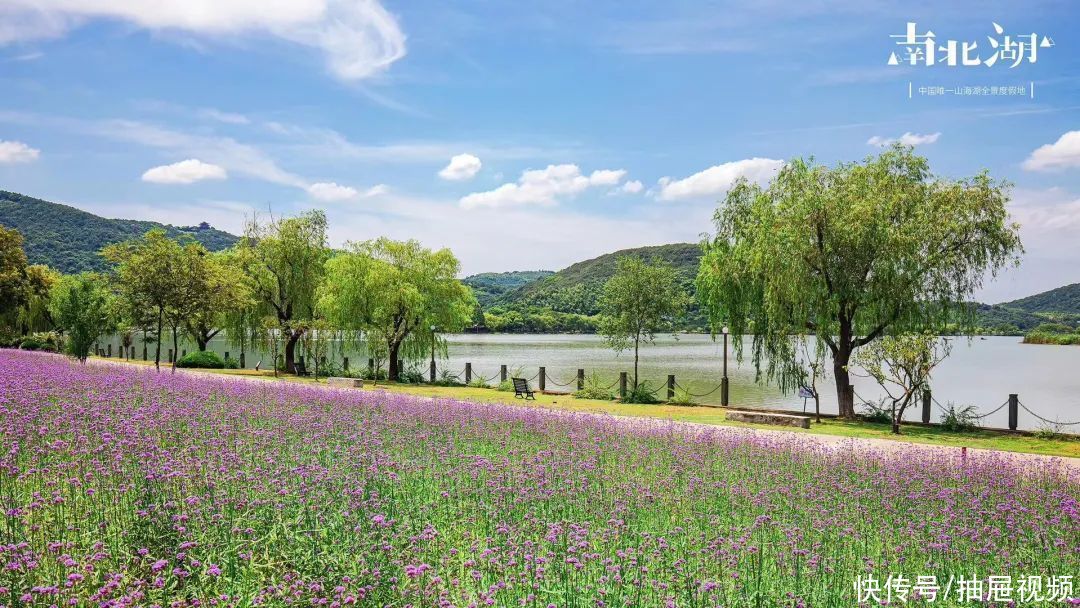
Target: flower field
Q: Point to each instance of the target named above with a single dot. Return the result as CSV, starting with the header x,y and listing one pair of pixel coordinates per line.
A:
x,y
123,487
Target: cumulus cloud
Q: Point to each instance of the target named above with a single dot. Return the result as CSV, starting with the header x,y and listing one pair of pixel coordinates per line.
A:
x,y
358,38
17,152
543,187
184,172
717,179
630,187
1063,153
907,139
462,167
332,192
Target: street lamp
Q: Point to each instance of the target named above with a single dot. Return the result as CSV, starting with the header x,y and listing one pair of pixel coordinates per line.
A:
x,y
724,379
433,328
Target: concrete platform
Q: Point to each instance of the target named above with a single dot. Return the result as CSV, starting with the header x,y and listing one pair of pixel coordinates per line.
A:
x,y
769,418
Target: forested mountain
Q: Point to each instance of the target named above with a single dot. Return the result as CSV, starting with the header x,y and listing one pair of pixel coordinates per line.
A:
x,y
1063,300
68,239
490,286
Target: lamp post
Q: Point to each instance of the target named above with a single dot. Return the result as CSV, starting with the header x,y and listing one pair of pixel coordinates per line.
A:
x,y
433,354
724,379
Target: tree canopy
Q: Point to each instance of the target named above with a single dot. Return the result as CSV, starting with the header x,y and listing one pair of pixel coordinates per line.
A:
x,y
849,254
83,305
395,291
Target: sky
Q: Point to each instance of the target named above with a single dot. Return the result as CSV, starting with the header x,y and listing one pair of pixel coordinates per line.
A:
x,y
527,135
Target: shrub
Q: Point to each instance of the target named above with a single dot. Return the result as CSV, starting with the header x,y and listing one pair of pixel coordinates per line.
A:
x,y
507,386
876,412
205,359
410,376
959,418
479,383
31,343
231,363
682,397
593,389
447,379
641,394
376,374
1048,430
46,340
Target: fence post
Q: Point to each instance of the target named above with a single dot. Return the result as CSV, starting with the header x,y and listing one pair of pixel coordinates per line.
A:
x,y
1014,411
622,385
345,364
468,373
926,399
724,391
110,349
183,352
170,356
243,360
670,387
226,354
580,379
144,352
543,379
371,367
502,374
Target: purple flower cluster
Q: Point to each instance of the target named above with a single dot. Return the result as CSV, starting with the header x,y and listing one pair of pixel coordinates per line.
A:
x,y
123,487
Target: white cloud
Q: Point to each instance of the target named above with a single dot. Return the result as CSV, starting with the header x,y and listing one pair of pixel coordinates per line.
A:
x,y
332,192
462,167
358,38
1062,154
718,179
543,187
907,139
231,118
184,172
630,187
17,152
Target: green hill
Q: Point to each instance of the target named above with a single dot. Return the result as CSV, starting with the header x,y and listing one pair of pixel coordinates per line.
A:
x,y
490,286
1063,300
68,239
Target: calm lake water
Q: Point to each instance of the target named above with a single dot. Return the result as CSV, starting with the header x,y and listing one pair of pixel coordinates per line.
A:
x,y
979,372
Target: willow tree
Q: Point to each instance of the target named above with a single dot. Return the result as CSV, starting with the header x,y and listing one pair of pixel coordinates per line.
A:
x,y
395,291
283,261
850,254
83,307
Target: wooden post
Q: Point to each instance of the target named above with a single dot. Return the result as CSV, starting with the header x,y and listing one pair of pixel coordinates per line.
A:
x,y
345,364
724,391
144,352
926,399
502,374
468,373
543,379
226,354
243,363
671,387
371,367
110,349
1014,411
580,379
170,356
183,352
622,385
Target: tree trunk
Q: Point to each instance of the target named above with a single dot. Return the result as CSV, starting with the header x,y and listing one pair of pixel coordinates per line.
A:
x,y
201,340
175,348
636,342
290,352
392,374
157,349
845,397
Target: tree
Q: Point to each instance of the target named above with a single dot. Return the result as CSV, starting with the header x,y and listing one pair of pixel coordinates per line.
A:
x,y
902,365
284,261
82,306
390,289
848,254
150,279
35,314
13,280
214,295
639,300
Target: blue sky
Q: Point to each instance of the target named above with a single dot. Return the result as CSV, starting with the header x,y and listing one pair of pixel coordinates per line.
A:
x,y
521,135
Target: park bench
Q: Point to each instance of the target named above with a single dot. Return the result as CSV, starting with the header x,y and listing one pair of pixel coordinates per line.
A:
x,y
522,390
301,369
769,418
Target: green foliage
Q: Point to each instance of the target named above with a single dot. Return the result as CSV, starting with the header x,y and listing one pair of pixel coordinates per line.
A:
x,y
594,389
411,375
1060,301
447,378
640,299
84,308
540,321
642,393
681,397
205,359
878,413
231,363
960,418
850,253
395,291
478,383
47,341
901,365
68,239
489,287
13,279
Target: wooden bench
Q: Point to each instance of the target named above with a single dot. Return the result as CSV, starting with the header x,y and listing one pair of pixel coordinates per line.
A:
x,y
769,418
301,370
522,390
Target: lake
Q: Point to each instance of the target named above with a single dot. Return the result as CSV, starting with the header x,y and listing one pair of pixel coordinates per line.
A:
x,y
979,372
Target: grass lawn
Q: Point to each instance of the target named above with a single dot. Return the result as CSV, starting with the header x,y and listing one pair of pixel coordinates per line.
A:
x,y
989,440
